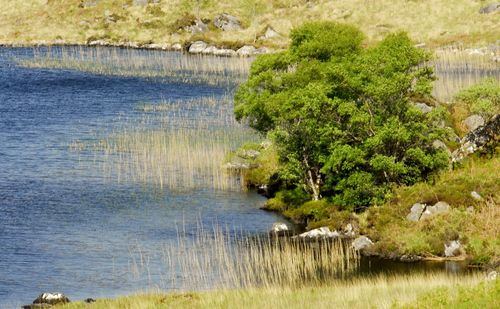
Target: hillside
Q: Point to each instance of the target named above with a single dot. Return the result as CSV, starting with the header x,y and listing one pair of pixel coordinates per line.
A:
x,y
435,23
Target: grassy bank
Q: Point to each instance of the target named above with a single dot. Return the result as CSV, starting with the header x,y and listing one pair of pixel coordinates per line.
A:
x,y
418,291
78,21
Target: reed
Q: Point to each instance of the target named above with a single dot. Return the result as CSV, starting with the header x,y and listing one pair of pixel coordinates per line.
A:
x,y
226,260
170,66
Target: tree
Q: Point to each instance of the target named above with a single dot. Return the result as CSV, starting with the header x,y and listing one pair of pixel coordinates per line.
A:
x,y
341,115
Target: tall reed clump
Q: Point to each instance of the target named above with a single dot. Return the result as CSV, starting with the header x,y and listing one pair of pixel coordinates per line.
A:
x,y
458,69
178,145
172,66
224,260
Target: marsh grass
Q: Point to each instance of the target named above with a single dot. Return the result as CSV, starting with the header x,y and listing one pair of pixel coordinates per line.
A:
x,y
458,69
177,145
220,259
168,66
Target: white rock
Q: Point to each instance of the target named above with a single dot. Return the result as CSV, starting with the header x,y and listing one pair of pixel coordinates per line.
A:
x,y
361,243
197,47
492,275
453,249
476,196
246,51
322,232
416,212
279,227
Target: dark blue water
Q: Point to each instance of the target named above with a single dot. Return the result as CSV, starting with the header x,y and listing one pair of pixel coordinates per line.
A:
x,y
63,225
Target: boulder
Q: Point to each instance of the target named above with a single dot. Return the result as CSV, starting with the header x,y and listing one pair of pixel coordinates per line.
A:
x,y
279,229
438,208
320,233
361,243
197,47
51,299
198,27
453,249
490,8
227,22
473,122
476,196
416,211
483,137
225,52
424,108
270,34
246,51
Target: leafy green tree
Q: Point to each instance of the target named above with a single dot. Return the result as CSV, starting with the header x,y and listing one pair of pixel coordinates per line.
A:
x,y
341,115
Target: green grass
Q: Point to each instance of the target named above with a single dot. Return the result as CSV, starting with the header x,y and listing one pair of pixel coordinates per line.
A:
x,y
412,291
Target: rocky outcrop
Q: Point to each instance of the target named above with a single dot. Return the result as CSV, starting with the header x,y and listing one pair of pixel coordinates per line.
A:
x,y
46,300
473,122
227,22
490,8
483,137
362,243
454,248
421,211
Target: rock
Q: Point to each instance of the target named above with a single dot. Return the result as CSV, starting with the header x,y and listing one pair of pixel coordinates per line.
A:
x,y
262,50
476,196
424,108
270,34
246,51
36,306
248,154
361,243
349,230
410,258
89,300
320,233
437,144
491,275
227,22
198,27
453,249
51,299
210,50
197,47
473,122
490,8
279,229
225,52
438,208
177,46
470,209
483,137
416,211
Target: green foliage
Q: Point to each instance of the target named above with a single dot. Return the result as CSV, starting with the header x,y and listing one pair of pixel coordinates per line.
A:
x,y
483,98
341,116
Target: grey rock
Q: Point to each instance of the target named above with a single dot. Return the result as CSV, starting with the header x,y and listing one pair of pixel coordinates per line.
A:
x,y
476,196
227,22
225,52
438,208
483,137
246,51
198,27
51,299
210,50
491,275
453,249
279,227
320,233
473,122
416,211
424,108
361,243
490,8
197,47
437,144
270,34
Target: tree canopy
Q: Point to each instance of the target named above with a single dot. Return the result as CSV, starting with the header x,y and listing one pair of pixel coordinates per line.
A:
x,y
341,115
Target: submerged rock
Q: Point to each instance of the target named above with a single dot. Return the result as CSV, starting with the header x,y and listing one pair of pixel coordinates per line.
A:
x,y
453,249
361,243
320,233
